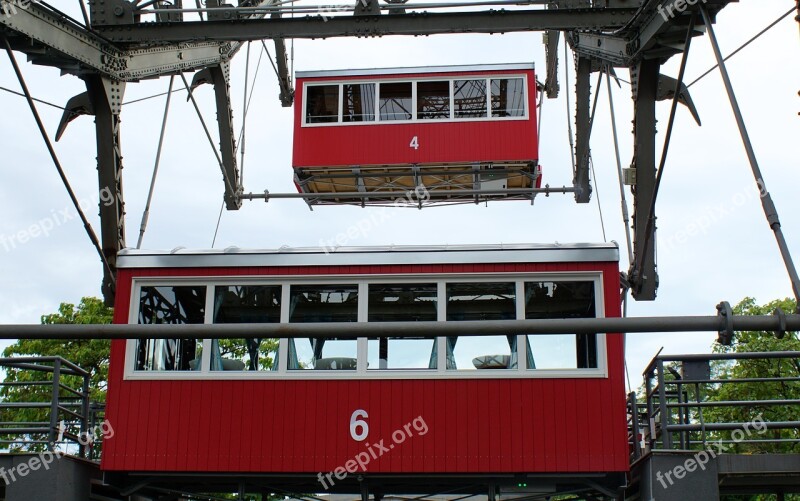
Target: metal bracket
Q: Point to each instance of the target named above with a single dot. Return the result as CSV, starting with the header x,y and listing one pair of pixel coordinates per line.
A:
x,y
781,332
724,311
111,12
367,8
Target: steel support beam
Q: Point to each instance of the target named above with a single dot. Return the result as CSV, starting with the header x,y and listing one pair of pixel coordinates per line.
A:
x,y
106,96
416,23
658,32
583,130
551,39
71,47
220,77
387,329
284,77
643,275
50,40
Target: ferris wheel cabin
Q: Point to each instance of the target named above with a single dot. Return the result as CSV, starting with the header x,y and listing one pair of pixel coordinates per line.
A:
x,y
465,133
403,414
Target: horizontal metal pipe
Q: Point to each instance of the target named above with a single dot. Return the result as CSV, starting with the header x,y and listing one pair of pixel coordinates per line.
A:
x,y
734,380
22,431
734,356
771,425
734,403
352,330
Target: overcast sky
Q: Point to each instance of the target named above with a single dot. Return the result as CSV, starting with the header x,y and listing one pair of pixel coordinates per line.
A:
x,y
707,179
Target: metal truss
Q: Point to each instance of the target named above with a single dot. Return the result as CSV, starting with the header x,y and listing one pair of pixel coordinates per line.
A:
x,y
421,186
127,42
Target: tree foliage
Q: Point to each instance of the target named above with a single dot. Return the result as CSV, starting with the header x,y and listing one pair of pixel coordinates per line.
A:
x,y
89,354
758,341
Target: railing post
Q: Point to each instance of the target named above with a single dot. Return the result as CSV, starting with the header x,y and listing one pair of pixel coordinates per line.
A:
x,y
637,452
54,404
86,450
666,437
650,412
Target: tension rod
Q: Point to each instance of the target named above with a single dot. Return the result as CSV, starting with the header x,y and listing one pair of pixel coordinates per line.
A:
x,y
56,162
770,211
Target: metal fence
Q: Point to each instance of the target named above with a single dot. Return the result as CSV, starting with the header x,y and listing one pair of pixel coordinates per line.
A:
x,y
52,397
689,402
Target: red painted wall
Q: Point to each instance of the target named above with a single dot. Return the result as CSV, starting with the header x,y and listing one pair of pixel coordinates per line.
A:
x,y
442,142
474,425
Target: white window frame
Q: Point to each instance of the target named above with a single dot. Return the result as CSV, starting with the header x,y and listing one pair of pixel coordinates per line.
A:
x,y
414,120
521,372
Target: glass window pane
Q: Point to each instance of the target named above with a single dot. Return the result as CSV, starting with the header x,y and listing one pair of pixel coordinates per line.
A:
x,y
508,97
359,103
469,98
395,101
323,303
402,302
322,104
481,301
433,100
481,352
560,300
401,353
322,354
170,305
246,304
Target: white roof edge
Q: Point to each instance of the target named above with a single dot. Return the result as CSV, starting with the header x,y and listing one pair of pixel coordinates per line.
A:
x,y
415,69
377,255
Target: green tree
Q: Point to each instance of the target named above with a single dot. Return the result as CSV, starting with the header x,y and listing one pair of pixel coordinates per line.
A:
x,y
758,341
89,354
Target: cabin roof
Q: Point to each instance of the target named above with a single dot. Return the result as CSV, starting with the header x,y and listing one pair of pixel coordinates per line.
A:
x,y
415,70
374,255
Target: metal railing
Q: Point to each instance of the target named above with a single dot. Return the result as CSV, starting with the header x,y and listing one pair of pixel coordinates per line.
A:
x,y
56,394
683,395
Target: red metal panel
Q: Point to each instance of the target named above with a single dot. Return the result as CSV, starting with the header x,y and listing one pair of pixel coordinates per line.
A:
x,y
442,142
522,425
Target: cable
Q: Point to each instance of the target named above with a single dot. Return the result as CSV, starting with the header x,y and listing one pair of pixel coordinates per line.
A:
x,y
54,157
623,200
770,211
219,219
150,97
252,91
208,135
589,154
35,99
243,137
274,68
772,25
597,192
146,213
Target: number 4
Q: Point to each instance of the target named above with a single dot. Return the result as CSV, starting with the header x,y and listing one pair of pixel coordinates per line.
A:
x,y
414,143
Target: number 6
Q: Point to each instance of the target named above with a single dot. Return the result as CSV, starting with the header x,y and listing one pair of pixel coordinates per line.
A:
x,y
356,423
